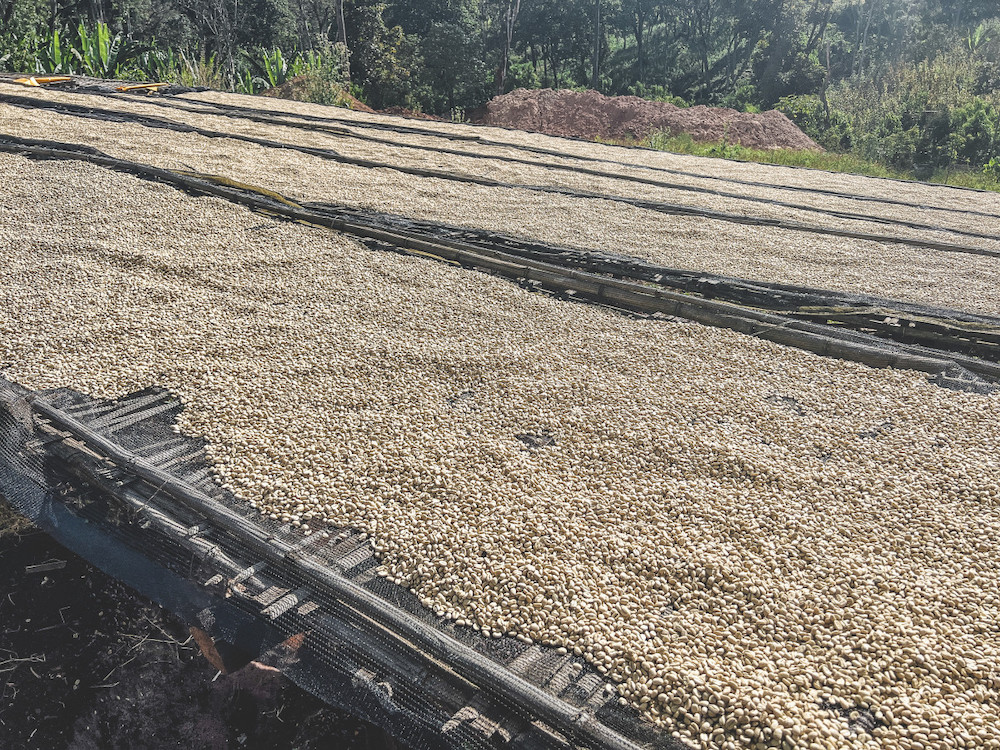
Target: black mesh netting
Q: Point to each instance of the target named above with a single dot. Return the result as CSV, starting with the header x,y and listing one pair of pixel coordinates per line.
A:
x,y
311,606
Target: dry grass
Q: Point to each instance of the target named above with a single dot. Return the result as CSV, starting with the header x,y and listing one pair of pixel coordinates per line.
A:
x,y
12,523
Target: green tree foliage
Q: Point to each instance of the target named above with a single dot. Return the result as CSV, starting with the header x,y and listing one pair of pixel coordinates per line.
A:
x,y
928,114
453,73
830,129
976,133
914,83
992,169
382,57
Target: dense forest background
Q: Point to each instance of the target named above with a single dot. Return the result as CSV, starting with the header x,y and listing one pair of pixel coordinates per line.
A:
x,y
910,83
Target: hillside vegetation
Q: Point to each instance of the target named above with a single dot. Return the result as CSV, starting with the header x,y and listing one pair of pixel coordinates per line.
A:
x,y
905,86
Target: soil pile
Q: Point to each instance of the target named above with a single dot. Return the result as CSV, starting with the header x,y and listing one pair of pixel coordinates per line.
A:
x,y
589,114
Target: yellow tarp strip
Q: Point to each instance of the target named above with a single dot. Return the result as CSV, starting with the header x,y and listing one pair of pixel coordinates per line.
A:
x,y
152,88
42,80
227,182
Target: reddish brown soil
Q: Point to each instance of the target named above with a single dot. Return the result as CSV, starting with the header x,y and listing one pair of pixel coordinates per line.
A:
x,y
588,114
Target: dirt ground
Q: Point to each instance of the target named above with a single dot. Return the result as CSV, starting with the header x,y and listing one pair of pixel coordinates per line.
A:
x,y
588,114
86,664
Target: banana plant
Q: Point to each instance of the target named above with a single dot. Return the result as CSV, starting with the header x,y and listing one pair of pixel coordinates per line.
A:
x,y
247,83
270,67
160,64
102,55
52,59
977,38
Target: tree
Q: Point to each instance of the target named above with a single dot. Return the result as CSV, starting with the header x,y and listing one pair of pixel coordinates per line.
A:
x,y
509,19
787,61
453,74
418,16
638,12
383,57
595,79
227,26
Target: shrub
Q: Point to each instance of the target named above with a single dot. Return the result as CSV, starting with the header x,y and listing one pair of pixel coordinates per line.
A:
x,y
977,131
18,53
657,94
326,72
831,129
742,98
992,169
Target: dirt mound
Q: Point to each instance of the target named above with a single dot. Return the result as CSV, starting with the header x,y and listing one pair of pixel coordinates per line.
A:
x,y
300,89
589,114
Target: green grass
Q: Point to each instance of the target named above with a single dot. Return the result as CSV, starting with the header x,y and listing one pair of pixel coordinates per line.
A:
x,y
827,160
